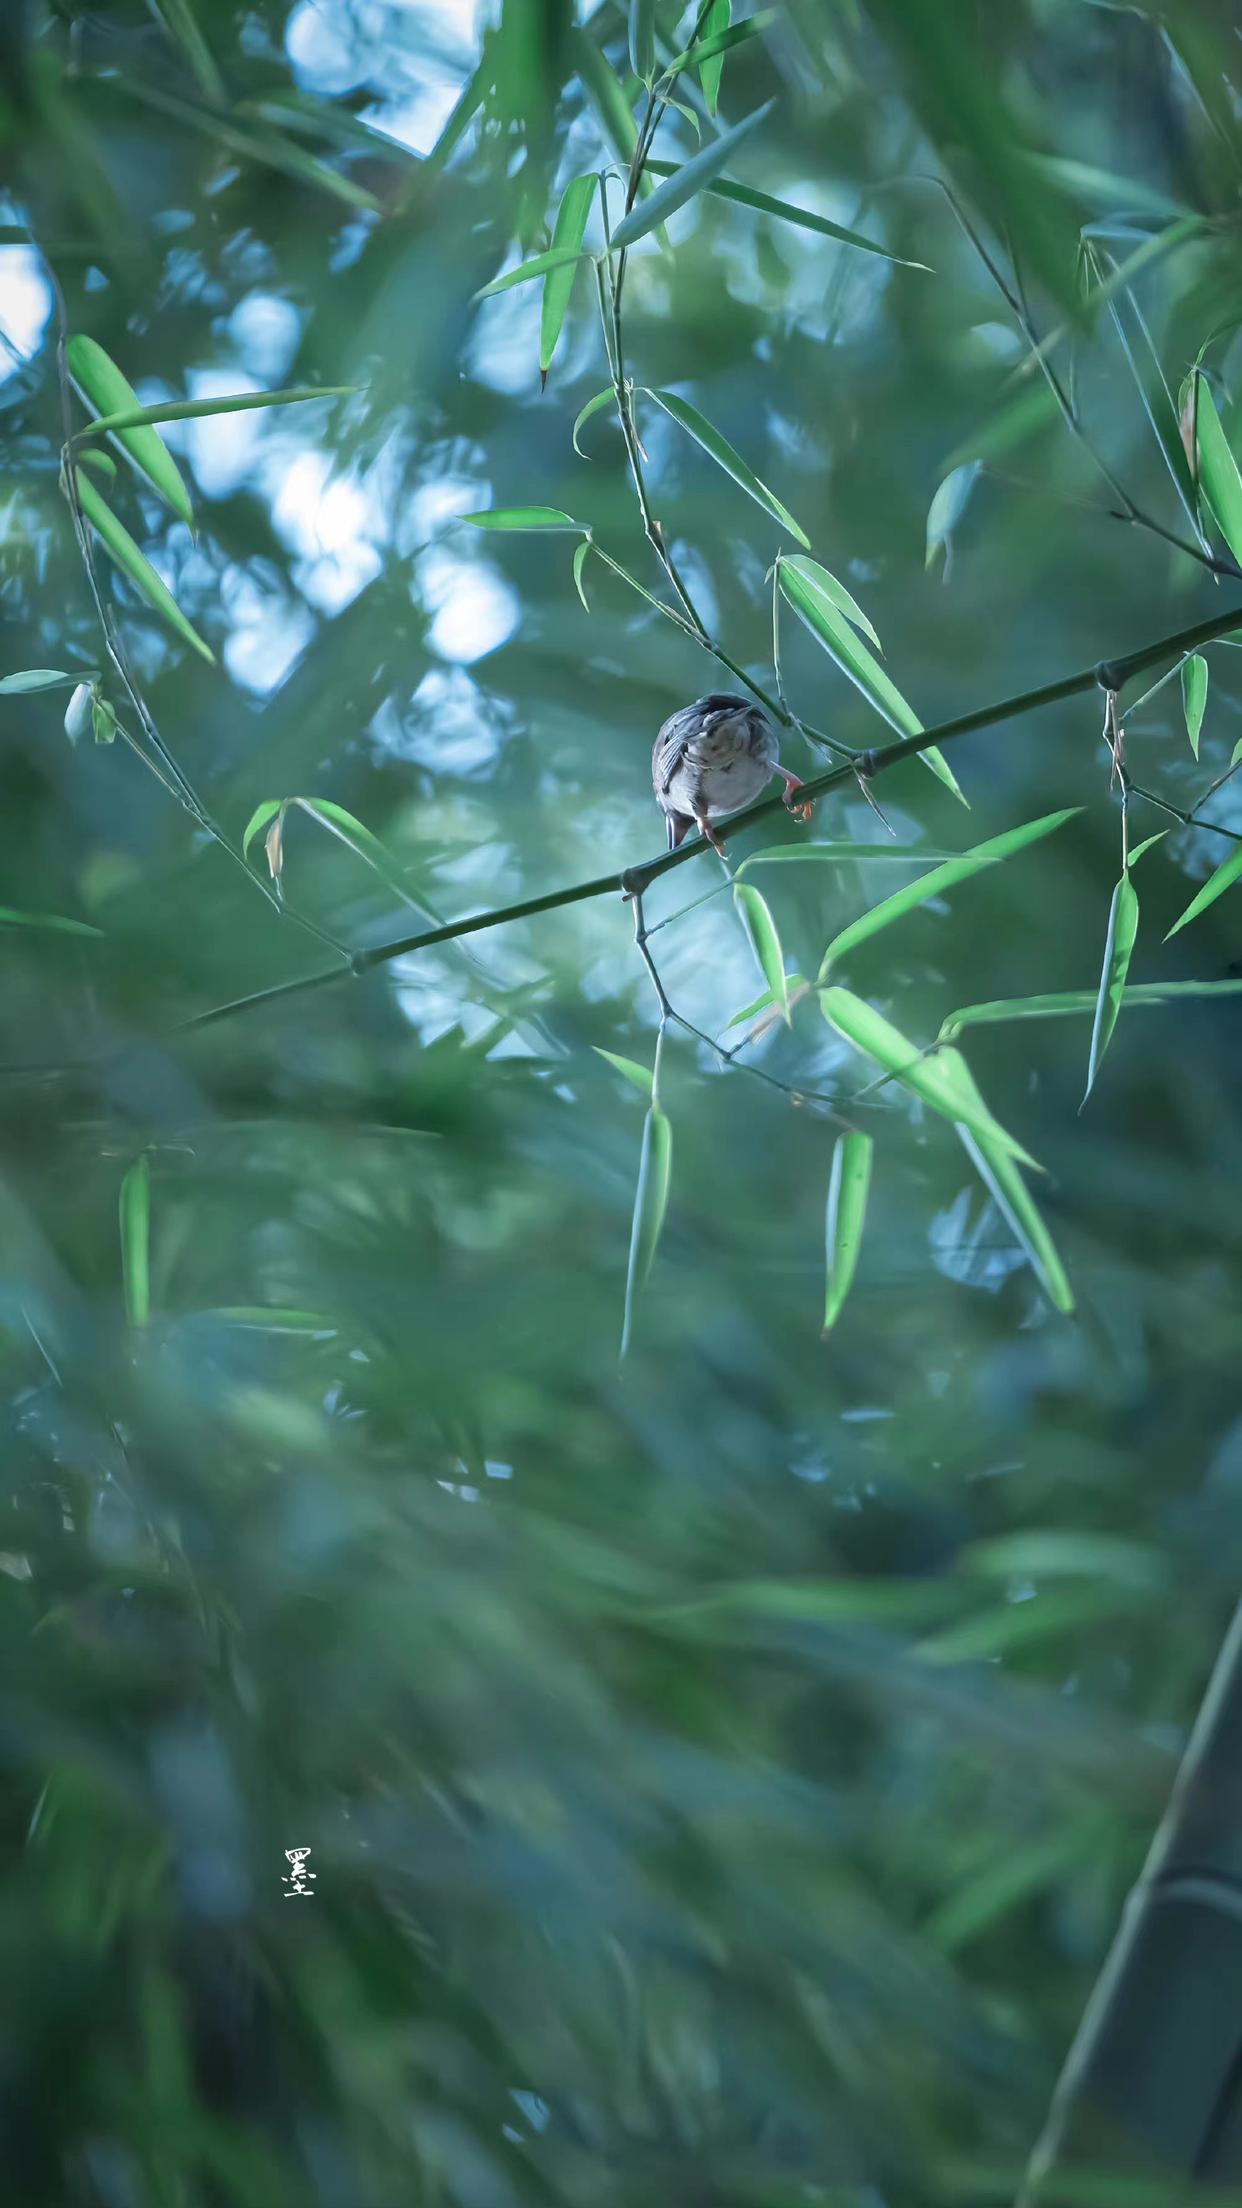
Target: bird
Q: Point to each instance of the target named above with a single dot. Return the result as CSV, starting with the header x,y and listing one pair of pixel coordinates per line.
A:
x,y
712,758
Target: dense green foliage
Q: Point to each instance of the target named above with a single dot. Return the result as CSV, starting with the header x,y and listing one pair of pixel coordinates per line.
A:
x,y
723,1766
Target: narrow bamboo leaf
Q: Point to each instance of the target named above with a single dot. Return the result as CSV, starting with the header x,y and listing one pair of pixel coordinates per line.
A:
x,y
34,678
80,712
525,517
228,402
848,1186
1152,249
1145,845
593,406
1030,409
1194,696
183,26
696,425
289,109
105,389
1070,1003
796,986
1014,1877
1157,400
827,625
639,1075
1095,187
567,236
472,98
934,1077
258,821
53,922
598,81
1123,920
818,578
692,177
135,1220
947,507
655,1171
543,264
839,854
581,552
353,832
765,942
1013,1199
119,543
1236,753
103,720
1215,886
264,1318
264,146
941,878
711,64
801,217
1218,470
642,39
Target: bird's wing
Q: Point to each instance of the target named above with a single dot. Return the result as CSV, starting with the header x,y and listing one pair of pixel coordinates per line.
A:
x,y
670,747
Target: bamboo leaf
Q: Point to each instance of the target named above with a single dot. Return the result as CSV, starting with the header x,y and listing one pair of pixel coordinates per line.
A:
x,y
818,578
228,402
1029,409
1215,886
581,552
796,986
947,507
598,81
183,26
35,678
711,64
1218,470
258,821
782,210
765,942
848,1187
264,146
941,878
1123,920
267,1318
640,1075
1070,1003
118,542
105,389
828,626
53,922
655,1171
692,177
567,236
719,449
593,406
1194,696
1009,1192
350,830
135,1221
1095,187
839,854
525,517
543,264
642,39
934,1077
80,712
1123,273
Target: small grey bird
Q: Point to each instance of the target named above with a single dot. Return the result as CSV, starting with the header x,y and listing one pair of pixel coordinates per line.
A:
x,y
712,758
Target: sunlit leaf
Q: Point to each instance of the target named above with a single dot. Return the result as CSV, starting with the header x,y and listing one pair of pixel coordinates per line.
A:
x,y
118,542
35,678
104,387
830,628
1215,886
947,507
1073,1003
581,553
848,1186
1123,920
639,1075
135,1222
696,425
50,922
226,402
557,258
593,406
934,1076
567,236
765,942
655,1171
1003,1180
802,218
1218,470
942,878
1194,696
525,517
818,578
642,38
693,176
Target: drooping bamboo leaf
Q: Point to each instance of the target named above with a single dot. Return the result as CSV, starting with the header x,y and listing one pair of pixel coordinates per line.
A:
x,y
118,542
1123,920
655,1172
1218,470
765,942
525,517
567,236
640,1075
1009,1192
942,878
52,922
829,627
135,1222
947,507
258,821
581,553
802,218
80,712
818,578
692,177
593,406
1226,875
227,402
719,449
35,678
848,1186
931,1075
1194,696
559,257
642,38
106,390
1071,1003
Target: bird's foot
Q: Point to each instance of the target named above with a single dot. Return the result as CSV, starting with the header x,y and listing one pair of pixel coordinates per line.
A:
x,y
705,828
801,808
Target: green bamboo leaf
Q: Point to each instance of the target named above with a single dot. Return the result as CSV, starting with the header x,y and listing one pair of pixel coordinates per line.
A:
x,y
711,64
593,406
802,218
1145,845
616,116
642,39
265,146
796,985
1123,920
102,462
692,177
947,507
719,449
1194,696
1098,188
818,578
655,1172
580,559
35,678
1157,402
475,92
640,1075
118,542
1013,1879
934,1077
183,26
80,712
350,830
290,109
1215,886
941,878
848,1185
525,517
53,922
264,1318
1218,470
1071,1003
839,854
827,625
259,820
1030,409
1009,1192
135,1221
105,389
1123,273
543,264
228,402
567,236
103,720
765,942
